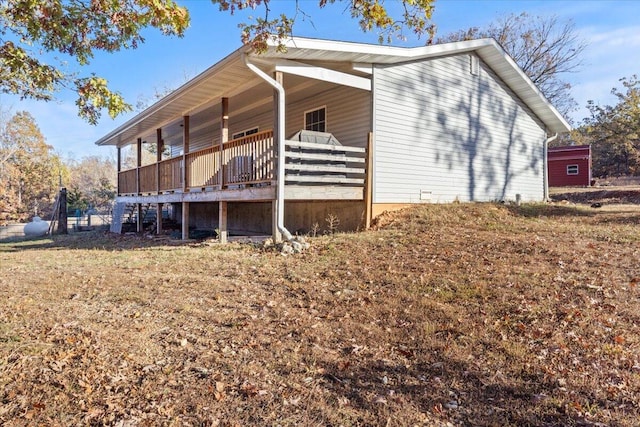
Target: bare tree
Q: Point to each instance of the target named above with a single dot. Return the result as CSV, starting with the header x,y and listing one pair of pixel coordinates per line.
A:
x,y
545,49
614,131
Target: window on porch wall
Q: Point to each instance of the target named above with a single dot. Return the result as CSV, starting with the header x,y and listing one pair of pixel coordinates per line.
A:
x,y
244,133
316,120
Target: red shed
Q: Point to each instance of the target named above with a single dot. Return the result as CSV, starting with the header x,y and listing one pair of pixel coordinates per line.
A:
x,y
569,166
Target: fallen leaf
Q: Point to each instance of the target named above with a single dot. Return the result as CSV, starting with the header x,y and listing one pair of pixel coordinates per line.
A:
x,y
343,364
249,389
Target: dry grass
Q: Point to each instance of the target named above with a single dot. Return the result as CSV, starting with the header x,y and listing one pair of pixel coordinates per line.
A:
x,y
461,314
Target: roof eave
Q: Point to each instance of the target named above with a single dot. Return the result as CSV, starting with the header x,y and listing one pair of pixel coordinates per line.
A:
x,y
488,49
546,112
110,138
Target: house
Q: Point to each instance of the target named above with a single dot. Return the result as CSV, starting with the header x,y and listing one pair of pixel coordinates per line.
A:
x,y
570,166
279,142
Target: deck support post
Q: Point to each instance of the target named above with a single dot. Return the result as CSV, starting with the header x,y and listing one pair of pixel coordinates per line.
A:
x,y
223,233
159,218
185,220
139,223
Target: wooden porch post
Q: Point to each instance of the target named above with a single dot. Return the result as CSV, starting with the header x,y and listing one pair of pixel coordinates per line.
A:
x,y
159,150
119,167
368,186
185,175
222,222
224,137
276,235
222,205
185,150
138,166
185,220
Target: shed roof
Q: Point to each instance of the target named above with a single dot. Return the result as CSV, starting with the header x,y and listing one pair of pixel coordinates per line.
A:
x,y
231,76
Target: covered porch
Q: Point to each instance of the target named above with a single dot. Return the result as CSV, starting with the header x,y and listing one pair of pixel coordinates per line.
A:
x,y
230,136
244,170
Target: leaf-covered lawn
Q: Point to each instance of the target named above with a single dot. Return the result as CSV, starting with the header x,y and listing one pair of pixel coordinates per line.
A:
x,y
463,314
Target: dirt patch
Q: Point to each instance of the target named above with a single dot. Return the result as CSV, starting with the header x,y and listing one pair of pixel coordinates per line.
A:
x,y
602,195
471,314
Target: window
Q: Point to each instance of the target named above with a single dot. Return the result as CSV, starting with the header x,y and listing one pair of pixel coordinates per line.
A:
x,y
572,169
244,133
316,120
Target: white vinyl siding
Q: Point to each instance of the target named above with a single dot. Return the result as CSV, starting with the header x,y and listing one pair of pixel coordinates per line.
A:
x,y
348,114
441,130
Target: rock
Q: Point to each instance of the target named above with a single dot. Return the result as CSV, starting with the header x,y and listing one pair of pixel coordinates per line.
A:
x,y
286,249
451,405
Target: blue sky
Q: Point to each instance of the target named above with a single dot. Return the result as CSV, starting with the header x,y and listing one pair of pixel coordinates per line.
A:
x,y
611,29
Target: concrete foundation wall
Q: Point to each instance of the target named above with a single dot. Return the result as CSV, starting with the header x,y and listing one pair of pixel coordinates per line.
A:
x,y
301,217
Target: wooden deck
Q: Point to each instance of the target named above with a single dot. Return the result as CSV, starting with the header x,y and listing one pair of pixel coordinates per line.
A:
x,y
244,169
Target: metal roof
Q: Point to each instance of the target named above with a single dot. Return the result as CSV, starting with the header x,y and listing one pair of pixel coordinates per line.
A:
x,y
230,76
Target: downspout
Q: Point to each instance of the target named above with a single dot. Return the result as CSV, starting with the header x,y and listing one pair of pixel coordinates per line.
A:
x,y
546,166
280,129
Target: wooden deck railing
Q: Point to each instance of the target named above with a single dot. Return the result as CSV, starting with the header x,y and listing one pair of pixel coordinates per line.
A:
x,y
128,182
247,161
148,178
170,172
203,168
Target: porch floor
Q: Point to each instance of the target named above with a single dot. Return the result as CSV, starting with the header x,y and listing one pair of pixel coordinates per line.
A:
x,y
249,194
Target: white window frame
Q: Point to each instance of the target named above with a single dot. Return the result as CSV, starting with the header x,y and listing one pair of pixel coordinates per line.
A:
x,y
570,169
245,132
322,107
